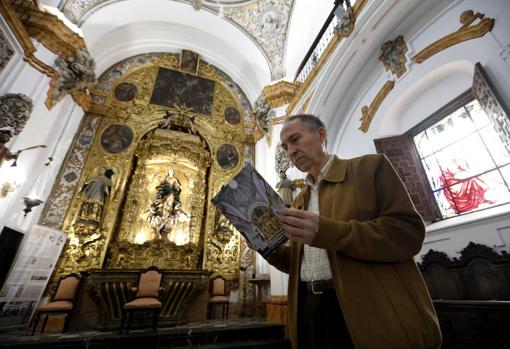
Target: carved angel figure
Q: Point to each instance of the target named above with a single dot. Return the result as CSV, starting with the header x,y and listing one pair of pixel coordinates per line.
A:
x,y
76,73
263,114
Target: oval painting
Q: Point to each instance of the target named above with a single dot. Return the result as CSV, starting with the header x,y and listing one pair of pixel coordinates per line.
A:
x,y
232,115
227,156
125,92
116,138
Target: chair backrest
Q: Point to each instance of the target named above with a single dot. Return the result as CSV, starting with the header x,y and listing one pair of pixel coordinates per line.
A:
x,y
218,286
66,288
149,283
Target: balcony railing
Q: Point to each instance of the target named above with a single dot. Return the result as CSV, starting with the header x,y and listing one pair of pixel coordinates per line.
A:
x,y
322,40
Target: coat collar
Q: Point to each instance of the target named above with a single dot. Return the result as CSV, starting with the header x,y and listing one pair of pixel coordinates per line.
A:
x,y
336,174
337,170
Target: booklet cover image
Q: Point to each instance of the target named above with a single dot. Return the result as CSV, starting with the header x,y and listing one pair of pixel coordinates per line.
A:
x,y
250,204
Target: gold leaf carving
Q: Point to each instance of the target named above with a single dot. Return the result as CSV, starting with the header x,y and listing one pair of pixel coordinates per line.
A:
x,y
465,32
141,164
369,112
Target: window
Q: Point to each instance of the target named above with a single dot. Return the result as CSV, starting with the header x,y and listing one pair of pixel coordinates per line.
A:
x,y
458,160
465,160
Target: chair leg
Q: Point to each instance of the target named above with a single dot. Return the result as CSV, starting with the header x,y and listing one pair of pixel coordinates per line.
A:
x,y
226,317
209,311
129,315
122,320
155,318
44,322
66,322
36,321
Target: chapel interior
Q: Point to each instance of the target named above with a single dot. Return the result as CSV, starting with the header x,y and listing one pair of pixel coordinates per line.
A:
x,y
121,120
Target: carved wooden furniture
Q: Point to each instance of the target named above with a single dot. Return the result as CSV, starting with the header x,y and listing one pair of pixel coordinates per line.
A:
x,y
471,295
62,302
146,297
219,296
104,293
261,285
276,311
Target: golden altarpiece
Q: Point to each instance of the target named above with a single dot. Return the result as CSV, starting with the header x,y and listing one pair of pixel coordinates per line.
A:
x,y
160,121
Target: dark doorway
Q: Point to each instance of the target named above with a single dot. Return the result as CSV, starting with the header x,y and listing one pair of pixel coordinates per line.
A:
x,y
10,240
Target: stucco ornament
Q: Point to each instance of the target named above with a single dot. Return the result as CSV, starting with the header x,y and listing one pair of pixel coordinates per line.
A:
x,y
345,24
263,115
393,56
15,109
281,161
76,74
6,51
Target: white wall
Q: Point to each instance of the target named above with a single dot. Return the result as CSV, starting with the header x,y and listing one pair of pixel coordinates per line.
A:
x,y
307,19
47,127
265,165
420,92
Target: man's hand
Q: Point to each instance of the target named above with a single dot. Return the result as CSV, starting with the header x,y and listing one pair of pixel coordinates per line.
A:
x,y
299,225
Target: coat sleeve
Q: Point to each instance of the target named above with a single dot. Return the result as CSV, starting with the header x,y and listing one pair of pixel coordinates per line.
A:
x,y
280,258
396,231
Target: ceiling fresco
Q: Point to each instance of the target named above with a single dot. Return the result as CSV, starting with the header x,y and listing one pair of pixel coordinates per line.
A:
x,y
264,21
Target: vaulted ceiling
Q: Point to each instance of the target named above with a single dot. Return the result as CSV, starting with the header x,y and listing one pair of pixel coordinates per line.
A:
x,y
254,41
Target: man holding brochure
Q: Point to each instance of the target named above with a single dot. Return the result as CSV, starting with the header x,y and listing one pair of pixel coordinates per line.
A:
x,y
353,233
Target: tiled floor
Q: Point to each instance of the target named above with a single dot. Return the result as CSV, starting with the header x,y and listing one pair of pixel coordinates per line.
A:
x,y
201,334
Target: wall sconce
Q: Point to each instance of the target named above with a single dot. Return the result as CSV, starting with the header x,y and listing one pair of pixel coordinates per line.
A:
x,y
31,200
29,204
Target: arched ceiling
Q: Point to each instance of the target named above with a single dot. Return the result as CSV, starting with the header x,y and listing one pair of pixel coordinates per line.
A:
x,y
246,39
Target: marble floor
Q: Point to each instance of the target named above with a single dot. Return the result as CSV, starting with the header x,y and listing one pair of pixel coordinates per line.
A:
x,y
231,333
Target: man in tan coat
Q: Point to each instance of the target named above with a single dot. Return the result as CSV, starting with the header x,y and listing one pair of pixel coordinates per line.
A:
x,y
353,233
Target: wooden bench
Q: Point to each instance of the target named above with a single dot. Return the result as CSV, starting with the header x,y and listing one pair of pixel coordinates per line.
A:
x,y
471,295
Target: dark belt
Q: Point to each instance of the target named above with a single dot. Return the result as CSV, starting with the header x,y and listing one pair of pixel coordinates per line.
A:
x,y
319,286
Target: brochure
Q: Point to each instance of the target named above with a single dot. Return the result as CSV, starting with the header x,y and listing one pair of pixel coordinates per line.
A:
x,y
251,205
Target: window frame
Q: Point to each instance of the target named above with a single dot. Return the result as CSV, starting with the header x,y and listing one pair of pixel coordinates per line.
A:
x,y
458,102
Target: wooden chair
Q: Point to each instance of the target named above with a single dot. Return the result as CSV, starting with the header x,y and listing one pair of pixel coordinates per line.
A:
x,y
146,297
62,302
218,296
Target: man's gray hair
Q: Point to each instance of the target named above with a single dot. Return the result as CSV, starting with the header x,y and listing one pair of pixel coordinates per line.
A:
x,y
311,122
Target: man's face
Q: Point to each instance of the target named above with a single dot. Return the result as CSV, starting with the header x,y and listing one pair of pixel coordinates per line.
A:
x,y
304,148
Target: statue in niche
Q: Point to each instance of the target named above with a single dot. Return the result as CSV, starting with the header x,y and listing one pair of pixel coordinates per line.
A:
x,y
95,192
285,186
166,209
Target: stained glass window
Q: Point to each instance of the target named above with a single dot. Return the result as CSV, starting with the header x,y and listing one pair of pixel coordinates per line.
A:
x,y
466,161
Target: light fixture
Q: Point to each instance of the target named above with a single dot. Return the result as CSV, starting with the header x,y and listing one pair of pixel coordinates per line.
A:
x,y
14,156
30,203
37,191
32,199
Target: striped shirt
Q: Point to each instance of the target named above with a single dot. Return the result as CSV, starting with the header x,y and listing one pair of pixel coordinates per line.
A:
x,y
315,262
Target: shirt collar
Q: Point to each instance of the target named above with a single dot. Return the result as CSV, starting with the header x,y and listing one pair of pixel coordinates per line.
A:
x,y
322,173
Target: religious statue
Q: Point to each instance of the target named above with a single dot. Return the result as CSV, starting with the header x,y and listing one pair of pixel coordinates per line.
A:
x,y
94,193
166,209
285,186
